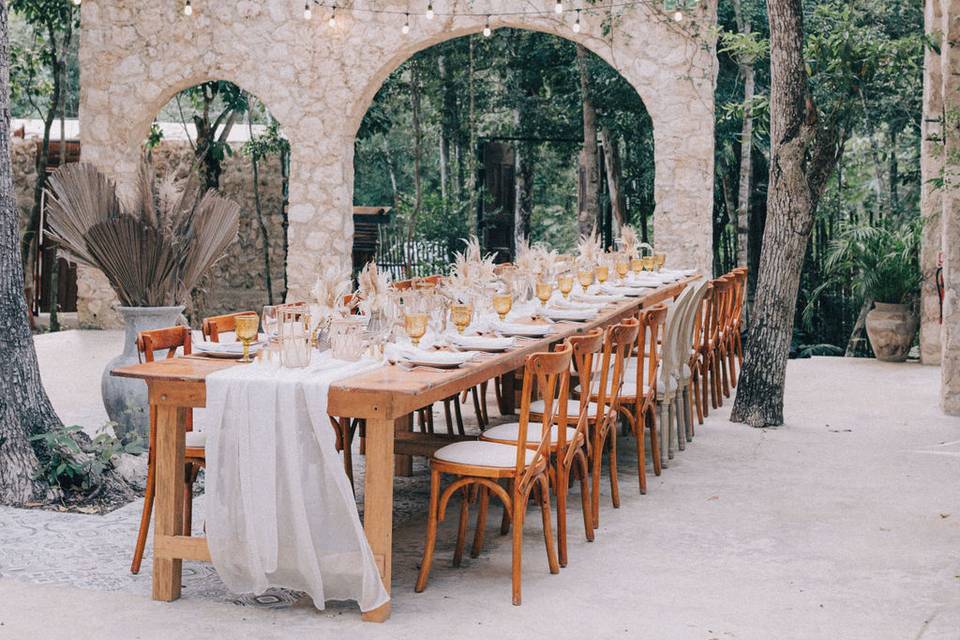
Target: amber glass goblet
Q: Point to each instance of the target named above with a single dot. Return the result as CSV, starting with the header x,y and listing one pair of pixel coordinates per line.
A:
x,y
246,330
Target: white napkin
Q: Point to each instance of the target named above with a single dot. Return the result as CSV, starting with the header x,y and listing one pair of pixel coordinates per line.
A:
x,y
396,353
522,328
205,346
621,291
569,314
483,342
581,306
597,298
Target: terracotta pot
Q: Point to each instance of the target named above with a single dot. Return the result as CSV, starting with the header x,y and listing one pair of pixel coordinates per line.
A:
x,y
891,328
125,399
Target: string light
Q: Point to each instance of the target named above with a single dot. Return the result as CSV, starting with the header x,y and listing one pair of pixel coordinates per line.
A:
x,y
76,3
678,15
576,25
333,17
187,9
429,13
558,7
307,14
406,23
486,28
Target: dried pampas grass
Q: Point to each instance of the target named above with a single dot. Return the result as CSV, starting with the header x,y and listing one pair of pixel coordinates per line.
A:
x,y
373,289
154,249
332,286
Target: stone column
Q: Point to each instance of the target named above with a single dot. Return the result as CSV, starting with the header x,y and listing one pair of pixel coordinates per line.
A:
x,y
931,203
950,216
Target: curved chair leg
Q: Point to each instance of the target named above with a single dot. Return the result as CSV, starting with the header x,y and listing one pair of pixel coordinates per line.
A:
x,y
519,510
431,542
671,426
638,432
481,522
596,462
651,411
145,516
462,527
561,484
585,497
552,561
663,424
614,480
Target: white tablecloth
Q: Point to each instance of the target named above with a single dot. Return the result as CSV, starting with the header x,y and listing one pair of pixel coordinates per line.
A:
x,y
279,508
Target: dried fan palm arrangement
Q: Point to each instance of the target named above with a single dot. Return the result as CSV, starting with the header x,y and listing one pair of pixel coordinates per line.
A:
x,y
589,250
629,239
373,289
332,286
155,248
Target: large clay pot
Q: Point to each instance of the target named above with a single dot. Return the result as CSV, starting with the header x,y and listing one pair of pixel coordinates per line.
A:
x,y
891,328
125,399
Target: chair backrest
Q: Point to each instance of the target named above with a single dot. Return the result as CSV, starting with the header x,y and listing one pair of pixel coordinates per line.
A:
x,y
213,326
740,291
550,373
689,339
169,339
585,350
670,362
724,289
652,322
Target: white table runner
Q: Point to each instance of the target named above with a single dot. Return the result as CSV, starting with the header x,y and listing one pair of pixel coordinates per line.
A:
x,y
280,510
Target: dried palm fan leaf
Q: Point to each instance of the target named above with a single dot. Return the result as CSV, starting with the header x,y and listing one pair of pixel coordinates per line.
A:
x,y
373,289
332,285
215,224
629,239
589,249
154,250
78,197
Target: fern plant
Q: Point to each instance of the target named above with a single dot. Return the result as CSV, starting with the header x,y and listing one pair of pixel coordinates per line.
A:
x,y
880,262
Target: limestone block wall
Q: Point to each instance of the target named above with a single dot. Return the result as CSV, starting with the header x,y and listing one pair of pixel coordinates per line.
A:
x,y
319,81
931,203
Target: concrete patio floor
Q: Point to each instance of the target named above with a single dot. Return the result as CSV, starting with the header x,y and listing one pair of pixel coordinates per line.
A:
x,y
843,524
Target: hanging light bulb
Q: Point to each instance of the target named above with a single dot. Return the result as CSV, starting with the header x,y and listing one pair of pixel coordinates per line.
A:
x,y
678,15
576,25
486,28
333,17
558,7
406,23
187,9
307,14
76,3
429,13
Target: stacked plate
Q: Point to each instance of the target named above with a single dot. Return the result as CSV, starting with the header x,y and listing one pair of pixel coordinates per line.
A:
x,y
230,350
429,357
490,344
522,329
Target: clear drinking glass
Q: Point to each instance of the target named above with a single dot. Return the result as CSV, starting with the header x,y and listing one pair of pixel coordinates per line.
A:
x,y
295,338
346,338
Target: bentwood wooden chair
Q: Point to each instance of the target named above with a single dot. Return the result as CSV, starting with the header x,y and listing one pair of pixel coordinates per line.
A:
x,y
688,356
735,342
695,361
148,344
638,401
484,464
568,444
214,326
724,289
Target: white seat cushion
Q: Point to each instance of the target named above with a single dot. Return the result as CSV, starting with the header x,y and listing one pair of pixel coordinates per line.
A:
x,y
573,408
482,454
196,439
511,431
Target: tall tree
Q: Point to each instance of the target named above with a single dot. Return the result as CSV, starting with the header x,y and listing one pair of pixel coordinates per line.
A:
x,y
804,149
589,211
25,409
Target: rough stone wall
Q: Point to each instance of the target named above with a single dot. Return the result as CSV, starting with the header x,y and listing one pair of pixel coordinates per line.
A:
x,y
319,81
236,281
931,203
950,215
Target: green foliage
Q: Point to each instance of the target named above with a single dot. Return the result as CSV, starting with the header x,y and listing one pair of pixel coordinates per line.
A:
x,y
270,142
73,461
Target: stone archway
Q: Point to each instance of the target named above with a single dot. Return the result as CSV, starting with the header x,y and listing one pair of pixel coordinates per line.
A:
x,y
319,81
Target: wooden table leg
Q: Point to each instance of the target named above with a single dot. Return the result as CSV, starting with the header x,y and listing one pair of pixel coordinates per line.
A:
x,y
508,393
378,504
168,518
403,464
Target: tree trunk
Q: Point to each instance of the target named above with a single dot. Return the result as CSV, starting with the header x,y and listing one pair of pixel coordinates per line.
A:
x,y
25,409
611,158
417,162
258,207
801,160
746,167
589,211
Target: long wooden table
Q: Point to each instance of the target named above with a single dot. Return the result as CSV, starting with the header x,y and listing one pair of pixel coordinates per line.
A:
x,y
384,397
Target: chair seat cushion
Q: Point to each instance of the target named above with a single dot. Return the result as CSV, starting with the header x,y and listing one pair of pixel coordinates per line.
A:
x,y
482,454
196,439
511,431
573,408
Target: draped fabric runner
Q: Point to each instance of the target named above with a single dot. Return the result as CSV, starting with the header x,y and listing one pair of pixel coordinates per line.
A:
x,y
279,507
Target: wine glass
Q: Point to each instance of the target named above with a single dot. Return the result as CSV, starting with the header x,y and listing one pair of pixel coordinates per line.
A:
x,y
602,271
622,266
565,284
585,276
271,321
649,262
415,324
246,330
502,303
544,291
660,259
461,314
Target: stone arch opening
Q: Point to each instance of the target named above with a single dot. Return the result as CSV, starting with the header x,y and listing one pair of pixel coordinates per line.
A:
x,y
469,137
